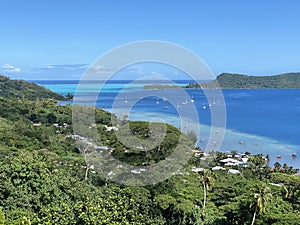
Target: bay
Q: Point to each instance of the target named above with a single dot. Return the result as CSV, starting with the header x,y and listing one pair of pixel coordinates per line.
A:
x,y
258,120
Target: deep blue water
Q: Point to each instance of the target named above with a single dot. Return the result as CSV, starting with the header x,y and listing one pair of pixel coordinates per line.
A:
x,y
267,120
272,113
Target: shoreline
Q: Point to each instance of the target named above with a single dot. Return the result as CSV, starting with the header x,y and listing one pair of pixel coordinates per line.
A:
x,y
251,142
265,145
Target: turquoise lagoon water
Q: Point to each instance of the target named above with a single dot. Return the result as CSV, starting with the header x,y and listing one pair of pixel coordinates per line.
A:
x,y
258,120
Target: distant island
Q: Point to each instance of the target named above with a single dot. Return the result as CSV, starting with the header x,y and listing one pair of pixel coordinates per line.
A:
x,y
240,81
162,86
230,80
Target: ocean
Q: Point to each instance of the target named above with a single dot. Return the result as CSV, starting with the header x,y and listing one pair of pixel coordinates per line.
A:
x,y
257,120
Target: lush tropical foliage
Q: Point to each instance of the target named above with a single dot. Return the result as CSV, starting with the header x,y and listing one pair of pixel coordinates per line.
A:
x,y
44,178
22,89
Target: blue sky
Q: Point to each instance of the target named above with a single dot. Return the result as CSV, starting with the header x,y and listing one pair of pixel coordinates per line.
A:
x,y
59,39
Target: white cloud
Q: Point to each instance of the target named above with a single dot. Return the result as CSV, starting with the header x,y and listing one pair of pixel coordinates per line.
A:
x,y
58,71
156,74
97,68
10,68
63,66
137,70
48,67
100,70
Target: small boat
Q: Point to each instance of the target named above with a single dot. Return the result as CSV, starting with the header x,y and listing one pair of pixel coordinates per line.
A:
x,y
165,99
126,100
294,155
192,100
241,142
186,101
157,101
279,157
204,107
166,107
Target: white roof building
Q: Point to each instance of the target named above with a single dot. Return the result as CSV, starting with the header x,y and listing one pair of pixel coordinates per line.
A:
x,y
232,171
231,162
197,170
218,168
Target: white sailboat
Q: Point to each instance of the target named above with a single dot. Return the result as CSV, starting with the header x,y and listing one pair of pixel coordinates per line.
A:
x,y
186,101
192,100
214,102
157,101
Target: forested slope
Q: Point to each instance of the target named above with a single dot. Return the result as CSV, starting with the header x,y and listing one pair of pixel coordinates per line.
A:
x,y
44,178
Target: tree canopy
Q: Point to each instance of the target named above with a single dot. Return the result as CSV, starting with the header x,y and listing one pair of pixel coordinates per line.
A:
x,y
44,178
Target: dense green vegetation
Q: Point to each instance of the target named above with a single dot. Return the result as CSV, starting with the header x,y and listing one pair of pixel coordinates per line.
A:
x,y
45,180
228,80
22,89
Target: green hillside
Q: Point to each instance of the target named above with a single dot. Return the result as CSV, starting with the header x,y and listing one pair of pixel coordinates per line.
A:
x,y
23,89
230,80
45,179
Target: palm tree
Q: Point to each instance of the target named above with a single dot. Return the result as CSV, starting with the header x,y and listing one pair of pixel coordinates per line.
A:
x,y
207,181
267,159
277,167
262,197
